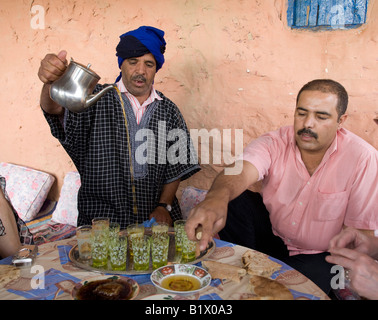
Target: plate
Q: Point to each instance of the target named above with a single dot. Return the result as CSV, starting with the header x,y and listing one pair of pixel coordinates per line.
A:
x,y
186,278
120,279
173,257
159,296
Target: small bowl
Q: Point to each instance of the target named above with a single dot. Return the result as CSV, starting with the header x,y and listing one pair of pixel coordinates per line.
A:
x,y
178,274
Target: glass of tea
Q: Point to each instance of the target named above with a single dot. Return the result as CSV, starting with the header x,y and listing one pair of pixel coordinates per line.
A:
x,y
159,250
99,242
179,226
118,252
134,230
188,248
83,236
141,249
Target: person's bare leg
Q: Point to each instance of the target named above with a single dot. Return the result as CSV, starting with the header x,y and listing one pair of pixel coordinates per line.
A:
x,y
10,242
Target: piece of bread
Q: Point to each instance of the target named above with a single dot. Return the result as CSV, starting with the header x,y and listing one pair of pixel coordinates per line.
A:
x,y
7,274
268,289
219,270
257,263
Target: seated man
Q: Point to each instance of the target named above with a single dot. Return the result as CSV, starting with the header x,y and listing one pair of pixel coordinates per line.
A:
x,y
13,231
317,177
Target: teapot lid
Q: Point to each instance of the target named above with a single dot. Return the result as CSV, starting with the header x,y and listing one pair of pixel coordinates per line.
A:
x,y
85,68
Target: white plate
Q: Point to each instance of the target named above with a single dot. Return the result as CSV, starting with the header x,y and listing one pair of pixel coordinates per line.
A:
x,y
190,270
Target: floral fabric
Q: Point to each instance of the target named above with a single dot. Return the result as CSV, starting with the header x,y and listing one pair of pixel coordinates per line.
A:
x,y
27,188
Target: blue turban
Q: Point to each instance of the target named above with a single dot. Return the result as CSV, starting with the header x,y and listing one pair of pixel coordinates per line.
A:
x,y
139,42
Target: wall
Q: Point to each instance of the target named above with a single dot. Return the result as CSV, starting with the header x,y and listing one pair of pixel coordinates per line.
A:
x,y
229,64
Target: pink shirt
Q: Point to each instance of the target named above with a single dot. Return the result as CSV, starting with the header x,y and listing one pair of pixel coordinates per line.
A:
x,y
137,107
307,211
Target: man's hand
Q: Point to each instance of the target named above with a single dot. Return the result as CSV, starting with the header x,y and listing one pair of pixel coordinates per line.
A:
x,y
362,270
161,215
52,67
210,215
355,239
356,251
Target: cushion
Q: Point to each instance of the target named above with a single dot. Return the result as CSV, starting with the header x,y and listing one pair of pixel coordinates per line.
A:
x,y
27,188
66,210
43,218
191,196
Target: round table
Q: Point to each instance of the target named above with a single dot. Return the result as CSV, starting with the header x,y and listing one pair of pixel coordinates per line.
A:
x,y
53,276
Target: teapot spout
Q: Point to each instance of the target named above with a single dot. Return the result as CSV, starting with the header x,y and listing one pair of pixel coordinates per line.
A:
x,y
93,98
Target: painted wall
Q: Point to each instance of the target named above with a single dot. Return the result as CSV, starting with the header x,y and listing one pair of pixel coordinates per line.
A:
x,y
229,64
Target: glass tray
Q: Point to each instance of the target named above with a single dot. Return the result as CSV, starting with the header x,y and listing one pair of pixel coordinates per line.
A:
x,y
173,257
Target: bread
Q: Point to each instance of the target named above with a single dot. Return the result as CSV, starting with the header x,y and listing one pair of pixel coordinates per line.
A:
x,y
108,290
219,270
268,289
257,263
7,274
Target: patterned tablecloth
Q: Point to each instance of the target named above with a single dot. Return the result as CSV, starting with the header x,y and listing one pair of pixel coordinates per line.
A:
x,y
53,276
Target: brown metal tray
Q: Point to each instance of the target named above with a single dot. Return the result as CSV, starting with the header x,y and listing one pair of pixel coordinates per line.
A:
x,y
173,257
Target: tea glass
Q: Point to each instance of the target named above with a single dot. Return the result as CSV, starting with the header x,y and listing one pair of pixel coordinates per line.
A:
x,y
188,248
159,228
114,229
159,250
99,242
134,230
179,226
141,247
118,252
83,236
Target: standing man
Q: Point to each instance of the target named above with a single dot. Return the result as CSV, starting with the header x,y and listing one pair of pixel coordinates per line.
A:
x,y
317,177
97,139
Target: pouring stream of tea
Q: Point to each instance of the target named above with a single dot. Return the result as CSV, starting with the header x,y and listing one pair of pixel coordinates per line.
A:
x,y
135,209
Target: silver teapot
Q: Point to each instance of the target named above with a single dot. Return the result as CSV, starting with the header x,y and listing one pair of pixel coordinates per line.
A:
x,y
74,89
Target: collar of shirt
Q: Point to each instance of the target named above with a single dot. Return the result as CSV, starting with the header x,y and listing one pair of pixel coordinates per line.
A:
x,y
138,108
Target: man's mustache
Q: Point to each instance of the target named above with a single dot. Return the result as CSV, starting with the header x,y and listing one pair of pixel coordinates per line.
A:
x,y
139,78
307,131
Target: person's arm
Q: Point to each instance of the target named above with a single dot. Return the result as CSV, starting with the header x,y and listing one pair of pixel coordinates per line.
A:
x,y
167,196
47,104
211,214
10,241
51,68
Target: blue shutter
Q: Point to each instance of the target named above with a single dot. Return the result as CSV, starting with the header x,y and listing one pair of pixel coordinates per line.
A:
x,y
326,14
